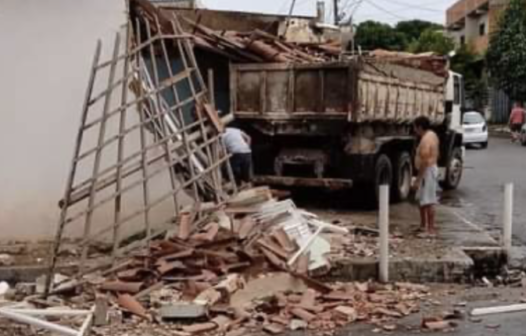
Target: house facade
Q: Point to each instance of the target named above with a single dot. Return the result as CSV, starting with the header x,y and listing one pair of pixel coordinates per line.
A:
x,y
47,51
473,21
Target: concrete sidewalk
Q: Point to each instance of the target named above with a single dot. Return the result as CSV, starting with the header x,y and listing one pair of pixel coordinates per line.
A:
x,y
461,251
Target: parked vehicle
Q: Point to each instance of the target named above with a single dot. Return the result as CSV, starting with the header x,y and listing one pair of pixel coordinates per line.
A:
x,y
523,136
338,125
475,129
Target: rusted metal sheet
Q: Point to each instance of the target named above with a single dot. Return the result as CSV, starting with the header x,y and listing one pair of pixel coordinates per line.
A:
x,y
292,91
327,183
356,91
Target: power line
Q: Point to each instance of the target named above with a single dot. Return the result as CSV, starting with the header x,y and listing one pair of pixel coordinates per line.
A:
x,y
292,8
413,6
357,7
370,2
348,9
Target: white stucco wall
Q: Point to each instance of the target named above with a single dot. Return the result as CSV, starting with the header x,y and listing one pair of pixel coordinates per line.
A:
x,y
46,51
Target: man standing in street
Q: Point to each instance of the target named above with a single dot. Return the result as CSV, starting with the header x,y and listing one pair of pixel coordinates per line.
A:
x,y
238,144
426,184
517,119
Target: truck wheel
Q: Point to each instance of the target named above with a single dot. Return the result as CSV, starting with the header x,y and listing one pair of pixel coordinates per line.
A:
x,y
403,173
383,174
453,171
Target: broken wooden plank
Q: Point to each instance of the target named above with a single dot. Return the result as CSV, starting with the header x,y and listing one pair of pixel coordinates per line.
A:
x,y
274,260
302,265
349,314
149,290
303,314
122,287
166,267
200,327
178,255
273,247
284,240
213,116
185,226
131,305
309,298
246,227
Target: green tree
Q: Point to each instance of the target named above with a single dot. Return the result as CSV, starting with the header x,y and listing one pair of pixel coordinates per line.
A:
x,y
433,40
371,35
506,56
471,65
414,28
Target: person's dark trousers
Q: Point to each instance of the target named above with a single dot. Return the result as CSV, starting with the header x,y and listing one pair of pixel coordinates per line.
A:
x,y
242,167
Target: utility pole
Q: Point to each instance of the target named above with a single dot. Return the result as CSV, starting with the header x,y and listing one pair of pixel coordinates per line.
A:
x,y
336,12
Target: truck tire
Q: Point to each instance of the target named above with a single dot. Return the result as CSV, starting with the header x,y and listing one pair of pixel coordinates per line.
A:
x,y
383,174
454,171
403,173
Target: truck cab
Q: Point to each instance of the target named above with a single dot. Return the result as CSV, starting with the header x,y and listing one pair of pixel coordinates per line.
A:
x,y
452,149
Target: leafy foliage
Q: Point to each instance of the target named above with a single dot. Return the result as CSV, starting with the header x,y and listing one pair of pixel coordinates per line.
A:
x,y
471,65
433,40
506,56
412,29
372,35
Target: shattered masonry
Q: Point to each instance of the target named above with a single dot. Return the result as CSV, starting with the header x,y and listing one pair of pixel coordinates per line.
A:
x,y
154,92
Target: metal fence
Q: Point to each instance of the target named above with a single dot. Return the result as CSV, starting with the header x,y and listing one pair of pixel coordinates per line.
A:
x,y
500,105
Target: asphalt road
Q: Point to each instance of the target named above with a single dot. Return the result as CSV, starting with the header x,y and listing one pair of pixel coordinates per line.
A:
x,y
480,196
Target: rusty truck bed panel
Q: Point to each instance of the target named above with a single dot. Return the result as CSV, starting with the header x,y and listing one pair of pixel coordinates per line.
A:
x,y
352,91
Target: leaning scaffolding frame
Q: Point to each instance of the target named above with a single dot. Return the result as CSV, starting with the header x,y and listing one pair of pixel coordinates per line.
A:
x,y
178,131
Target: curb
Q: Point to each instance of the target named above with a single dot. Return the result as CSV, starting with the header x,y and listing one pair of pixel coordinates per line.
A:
x,y
459,265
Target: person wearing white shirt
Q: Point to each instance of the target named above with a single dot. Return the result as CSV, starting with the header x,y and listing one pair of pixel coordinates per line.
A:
x,y
238,144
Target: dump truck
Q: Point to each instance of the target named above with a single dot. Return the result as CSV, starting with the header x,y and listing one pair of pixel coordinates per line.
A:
x,y
347,124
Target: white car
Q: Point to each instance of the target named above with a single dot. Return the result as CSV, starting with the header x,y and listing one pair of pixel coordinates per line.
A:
x,y
475,129
523,136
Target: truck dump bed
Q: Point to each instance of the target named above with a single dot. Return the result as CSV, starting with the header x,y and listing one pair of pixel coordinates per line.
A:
x,y
356,91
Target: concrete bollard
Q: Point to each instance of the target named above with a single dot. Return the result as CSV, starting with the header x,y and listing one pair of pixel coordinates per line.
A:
x,y
384,233
507,217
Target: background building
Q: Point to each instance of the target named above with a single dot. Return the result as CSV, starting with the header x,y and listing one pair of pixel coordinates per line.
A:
x,y
473,21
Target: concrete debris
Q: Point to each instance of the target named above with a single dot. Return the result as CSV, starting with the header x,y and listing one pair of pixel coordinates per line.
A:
x,y
6,260
437,326
274,329
200,328
41,282
183,311
258,46
246,261
101,317
4,288
498,310
296,324
347,313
